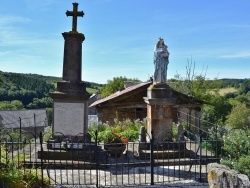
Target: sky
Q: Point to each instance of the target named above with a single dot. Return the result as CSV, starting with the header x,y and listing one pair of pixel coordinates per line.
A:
x,y
120,36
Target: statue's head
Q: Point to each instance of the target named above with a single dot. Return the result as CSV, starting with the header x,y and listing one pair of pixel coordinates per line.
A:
x,y
160,43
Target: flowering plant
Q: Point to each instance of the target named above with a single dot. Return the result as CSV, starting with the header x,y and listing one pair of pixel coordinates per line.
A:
x,y
115,138
66,144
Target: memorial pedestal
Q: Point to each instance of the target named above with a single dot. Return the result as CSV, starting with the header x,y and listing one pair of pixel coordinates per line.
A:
x,y
159,111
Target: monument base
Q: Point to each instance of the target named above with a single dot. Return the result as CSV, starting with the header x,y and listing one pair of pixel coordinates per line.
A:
x,y
159,111
163,150
70,117
87,152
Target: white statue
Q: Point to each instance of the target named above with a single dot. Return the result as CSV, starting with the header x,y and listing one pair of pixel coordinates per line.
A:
x,y
161,55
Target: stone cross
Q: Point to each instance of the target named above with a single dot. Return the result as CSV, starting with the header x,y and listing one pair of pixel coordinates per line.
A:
x,y
74,14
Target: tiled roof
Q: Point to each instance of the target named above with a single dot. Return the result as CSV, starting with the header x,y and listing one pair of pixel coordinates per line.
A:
x,y
11,118
119,93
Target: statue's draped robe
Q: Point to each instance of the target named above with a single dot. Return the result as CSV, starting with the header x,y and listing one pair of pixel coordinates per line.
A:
x,y
161,64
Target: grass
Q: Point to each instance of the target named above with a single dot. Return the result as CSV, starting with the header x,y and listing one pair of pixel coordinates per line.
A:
x,y
91,90
13,175
224,91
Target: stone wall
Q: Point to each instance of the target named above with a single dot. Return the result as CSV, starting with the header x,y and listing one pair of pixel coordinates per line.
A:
x,y
222,176
108,115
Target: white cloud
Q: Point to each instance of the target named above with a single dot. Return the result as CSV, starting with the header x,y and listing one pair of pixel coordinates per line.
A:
x,y
243,54
238,25
9,20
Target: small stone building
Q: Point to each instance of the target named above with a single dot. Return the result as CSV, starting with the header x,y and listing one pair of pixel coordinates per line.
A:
x,y
129,103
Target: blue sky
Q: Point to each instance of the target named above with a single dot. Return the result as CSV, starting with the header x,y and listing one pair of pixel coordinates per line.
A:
x,y
121,35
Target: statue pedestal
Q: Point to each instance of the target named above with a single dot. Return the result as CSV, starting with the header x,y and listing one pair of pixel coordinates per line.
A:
x,y
159,111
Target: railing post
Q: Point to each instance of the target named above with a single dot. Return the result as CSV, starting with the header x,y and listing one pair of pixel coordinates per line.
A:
x,y
35,124
41,144
96,158
152,157
200,158
20,129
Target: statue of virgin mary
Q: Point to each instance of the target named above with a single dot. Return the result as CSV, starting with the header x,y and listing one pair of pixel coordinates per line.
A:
x,y
161,56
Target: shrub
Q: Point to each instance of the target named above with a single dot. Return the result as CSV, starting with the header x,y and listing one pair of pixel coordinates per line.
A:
x,y
228,163
243,165
239,117
47,134
131,135
15,176
128,129
174,131
237,151
236,144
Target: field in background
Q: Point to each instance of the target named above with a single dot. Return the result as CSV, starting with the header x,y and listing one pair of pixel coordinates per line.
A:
x,y
224,91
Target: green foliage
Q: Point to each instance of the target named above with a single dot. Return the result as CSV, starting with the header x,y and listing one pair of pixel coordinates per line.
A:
x,y
3,156
194,85
91,90
11,105
243,165
45,102
49,113
236,144
31,89
244,87
47,134
217,110
227,82
126,129
105,136
239,117
131,135
174,131
228,163
117,84
15,176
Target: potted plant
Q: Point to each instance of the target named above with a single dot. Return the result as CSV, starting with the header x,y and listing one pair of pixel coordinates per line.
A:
x,y
115,144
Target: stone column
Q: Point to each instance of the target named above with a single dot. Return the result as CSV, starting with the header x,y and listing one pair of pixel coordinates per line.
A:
x,y
72,59
159,111
70,101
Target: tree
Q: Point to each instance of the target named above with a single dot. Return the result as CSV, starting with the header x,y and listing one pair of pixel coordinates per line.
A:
x,y
195,85
17,104
49,112
117,84
244,87
239,117
45,102
11,105
217,110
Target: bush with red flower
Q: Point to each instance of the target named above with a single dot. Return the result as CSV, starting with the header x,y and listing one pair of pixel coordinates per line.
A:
x,y
121,132
116,138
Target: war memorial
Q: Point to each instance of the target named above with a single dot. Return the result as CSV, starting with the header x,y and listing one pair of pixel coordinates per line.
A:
x,y
71,157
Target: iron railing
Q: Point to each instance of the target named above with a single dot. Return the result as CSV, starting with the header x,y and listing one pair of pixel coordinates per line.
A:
x,y
92,164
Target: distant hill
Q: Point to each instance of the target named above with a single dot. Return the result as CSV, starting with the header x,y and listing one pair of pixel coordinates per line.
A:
x,y
229,82
26,87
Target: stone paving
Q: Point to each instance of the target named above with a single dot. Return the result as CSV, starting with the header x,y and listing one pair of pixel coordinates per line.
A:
x,y
121,175
129,177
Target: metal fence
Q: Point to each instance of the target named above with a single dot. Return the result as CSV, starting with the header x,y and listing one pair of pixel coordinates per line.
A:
x,y
93,164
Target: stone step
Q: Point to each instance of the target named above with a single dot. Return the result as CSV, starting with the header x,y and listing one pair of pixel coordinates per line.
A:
x,y
79,155
165,154
69,164
162,145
